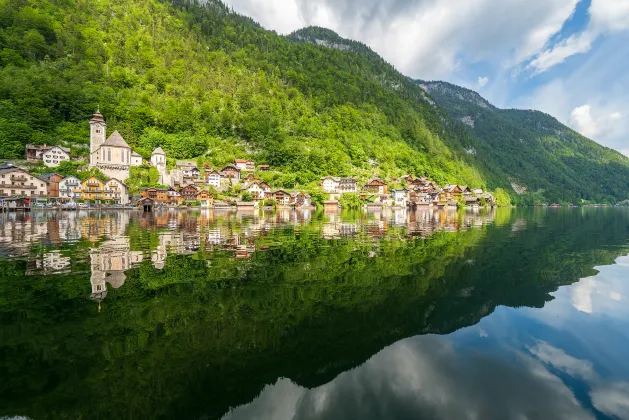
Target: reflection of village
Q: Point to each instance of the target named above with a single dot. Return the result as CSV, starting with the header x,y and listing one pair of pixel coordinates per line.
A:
x,y
45,239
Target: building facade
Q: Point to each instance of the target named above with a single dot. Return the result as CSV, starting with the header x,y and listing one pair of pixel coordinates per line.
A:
x,y
92,190
112,155
70,189
54,155
15,182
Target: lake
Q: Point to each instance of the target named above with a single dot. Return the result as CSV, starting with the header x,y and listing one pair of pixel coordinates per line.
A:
x,y
497,314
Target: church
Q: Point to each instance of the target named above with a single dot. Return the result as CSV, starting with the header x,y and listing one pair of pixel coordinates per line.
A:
x,y
112,155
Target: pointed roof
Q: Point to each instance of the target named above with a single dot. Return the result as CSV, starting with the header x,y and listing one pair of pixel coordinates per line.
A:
x,y
134,153
97,117
116,140
158,151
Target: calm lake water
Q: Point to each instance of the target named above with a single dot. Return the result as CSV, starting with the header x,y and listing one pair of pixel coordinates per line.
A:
x,y
506,314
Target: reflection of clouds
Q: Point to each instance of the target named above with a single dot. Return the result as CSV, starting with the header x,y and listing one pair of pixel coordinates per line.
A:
x,y
425,377
582,295
561,360
612,399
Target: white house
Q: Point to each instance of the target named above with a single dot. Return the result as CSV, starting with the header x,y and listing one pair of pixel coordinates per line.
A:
x,y
330,184
70,188
213,178
257,189
399,197
54,155
116,191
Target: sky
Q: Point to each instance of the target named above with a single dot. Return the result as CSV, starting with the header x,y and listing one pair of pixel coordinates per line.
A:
x,y
569,58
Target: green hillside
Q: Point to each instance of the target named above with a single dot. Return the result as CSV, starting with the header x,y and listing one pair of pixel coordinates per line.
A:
x,y
532,151
202,81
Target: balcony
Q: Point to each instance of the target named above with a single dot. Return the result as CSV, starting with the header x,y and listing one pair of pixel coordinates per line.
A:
x,y
19,178
22,187
94,190
72,183
77,190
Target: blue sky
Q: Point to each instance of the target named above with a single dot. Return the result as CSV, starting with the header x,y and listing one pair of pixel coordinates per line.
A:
x,y
568,58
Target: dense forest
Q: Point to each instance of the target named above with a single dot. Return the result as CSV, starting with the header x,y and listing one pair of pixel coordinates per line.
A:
x,y
540,157
204,82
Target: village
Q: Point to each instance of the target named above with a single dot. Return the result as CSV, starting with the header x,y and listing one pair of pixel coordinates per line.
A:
x,y
186,185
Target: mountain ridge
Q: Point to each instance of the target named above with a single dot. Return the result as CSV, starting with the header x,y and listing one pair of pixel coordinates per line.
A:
x,y
208,84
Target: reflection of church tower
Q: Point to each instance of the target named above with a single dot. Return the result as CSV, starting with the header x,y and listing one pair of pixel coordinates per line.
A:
x,y
98,128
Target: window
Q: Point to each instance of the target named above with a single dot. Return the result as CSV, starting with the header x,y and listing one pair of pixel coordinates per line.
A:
x,y
109,155
12,192
98,131
32,192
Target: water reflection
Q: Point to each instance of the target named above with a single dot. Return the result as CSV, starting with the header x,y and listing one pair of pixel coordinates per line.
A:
x,y
388,314
184,233
485,371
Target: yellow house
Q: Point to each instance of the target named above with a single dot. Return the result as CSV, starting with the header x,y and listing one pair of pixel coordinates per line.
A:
x,y
93,190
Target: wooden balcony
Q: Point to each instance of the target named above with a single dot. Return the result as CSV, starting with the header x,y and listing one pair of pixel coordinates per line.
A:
x,y
19,178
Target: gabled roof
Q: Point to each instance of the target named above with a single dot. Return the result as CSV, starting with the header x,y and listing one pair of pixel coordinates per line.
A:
x,y
333,178
158,151
116,140
135,154
230,166
65,149
117,180
243,161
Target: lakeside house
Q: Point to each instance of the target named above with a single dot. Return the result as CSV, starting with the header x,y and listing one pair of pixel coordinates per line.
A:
x,y
70,189
377,186
347,185
330,184
400,197
52,183
189,192
16,182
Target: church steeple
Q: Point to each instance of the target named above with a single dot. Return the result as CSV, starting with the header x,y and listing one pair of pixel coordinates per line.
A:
x,y
98,129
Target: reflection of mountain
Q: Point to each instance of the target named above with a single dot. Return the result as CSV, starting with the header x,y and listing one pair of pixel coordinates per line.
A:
x,y
208,330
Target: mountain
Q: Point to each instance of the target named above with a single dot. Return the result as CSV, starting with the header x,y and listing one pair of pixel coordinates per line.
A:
x,y
532,150
203,82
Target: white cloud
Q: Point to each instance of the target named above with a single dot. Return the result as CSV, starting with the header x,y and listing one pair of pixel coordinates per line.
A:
x,y
605,17
558,358
610,16
612,399
482,81
583,121
425,38
576,44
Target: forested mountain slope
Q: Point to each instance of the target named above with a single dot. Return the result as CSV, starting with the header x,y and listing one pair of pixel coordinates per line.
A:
x,y
539,154
203,81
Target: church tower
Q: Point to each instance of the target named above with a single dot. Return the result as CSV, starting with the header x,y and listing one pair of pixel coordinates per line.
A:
x,y
98,129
